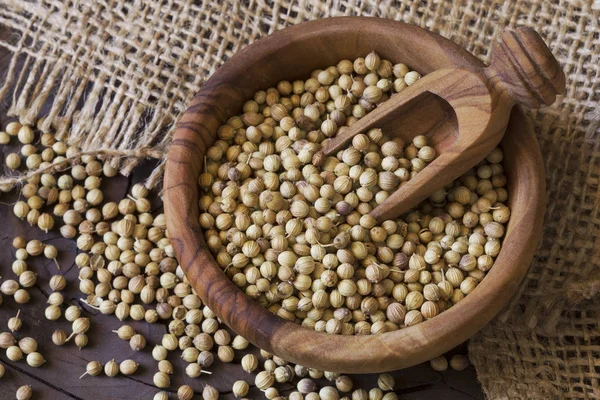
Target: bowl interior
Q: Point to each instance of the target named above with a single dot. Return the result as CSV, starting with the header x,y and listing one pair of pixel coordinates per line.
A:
x,y
292,54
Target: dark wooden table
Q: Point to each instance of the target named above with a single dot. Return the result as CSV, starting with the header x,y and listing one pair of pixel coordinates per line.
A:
x,y
59,377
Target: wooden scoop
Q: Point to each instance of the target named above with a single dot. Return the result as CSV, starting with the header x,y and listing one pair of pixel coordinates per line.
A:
x,y
464,113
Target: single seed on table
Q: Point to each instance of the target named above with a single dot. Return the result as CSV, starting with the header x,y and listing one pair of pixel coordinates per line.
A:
x,y
81,340
28,345
93,368
111,369
264,380
72,313
125,332
7,340
21,296
24,393
14,353
210,393
51,253
240,389
137,342
57,283
59,337
165,366
459,362
439,363
15,323
161,396
9,287
13,161
2,370
35,360
161,380
27,279
79,326
128,367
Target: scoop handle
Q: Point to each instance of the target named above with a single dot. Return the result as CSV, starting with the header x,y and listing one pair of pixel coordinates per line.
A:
x,y
524,69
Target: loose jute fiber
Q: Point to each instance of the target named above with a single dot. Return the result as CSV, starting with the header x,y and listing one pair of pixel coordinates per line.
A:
x,y
113,76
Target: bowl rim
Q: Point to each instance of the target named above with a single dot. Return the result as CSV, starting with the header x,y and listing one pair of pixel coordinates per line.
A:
x,y
348,354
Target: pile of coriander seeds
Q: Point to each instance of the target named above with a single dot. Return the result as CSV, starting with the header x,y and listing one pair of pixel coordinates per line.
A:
x,y
289,226
292,227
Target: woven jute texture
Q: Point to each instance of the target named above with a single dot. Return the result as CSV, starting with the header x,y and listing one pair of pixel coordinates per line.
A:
x,y
114,75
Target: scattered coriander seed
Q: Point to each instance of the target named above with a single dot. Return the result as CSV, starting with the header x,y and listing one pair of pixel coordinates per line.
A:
x,y
240,389
34,247
459,362
225,354
93,368
51,253
13,161
111,368
2,370
306,386
9,287
25,134
128,367
80,326
59,337
137,342
439,363
27,279
72,313
166,367
15,323
21,296
193,370
14,353
4,138
205,359
264,380
161,380
19,242
386,382
125,332
24,393
81,340
210,393
161,396
28,345
35,360
7,340
57,283
159,353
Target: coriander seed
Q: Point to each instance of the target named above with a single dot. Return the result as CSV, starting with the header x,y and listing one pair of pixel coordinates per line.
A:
x,y
459,362
161,380
240,389
35,360
137,342
59,337
161,396
24,393
6,340
439,363
14,353
15,323
128,367
210,393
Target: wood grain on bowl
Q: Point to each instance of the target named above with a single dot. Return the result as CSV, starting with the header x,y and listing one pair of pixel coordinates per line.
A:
x,y
294,53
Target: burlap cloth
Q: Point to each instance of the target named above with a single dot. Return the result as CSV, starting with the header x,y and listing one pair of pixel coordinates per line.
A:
x,y
120,73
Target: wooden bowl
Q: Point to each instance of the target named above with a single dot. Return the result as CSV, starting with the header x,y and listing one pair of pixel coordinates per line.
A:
x,y
292,54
